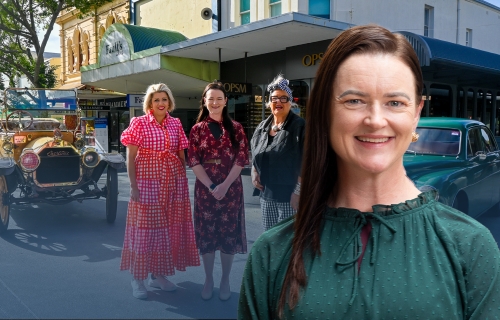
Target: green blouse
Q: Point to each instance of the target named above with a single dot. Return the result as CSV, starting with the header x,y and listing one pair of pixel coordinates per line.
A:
x,y
423,260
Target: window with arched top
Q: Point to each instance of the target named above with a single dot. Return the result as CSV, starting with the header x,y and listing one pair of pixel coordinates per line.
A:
x,y
69,53
101,32
79,52
84,49
110,20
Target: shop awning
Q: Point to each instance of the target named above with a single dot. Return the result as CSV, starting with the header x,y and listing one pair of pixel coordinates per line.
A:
x,y
449,62
71,85
259,37
130,60
90,92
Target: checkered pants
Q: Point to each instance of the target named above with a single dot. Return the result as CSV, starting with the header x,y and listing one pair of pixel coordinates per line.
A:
x,y
273,212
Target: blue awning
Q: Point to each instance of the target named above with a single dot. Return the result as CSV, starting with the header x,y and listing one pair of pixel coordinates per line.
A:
x,y
431,50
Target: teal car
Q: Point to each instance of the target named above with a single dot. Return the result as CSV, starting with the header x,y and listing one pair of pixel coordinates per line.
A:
x,y
460,159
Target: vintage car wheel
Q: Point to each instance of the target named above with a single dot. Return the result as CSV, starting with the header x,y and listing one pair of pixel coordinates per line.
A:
x,y
111,194
4,209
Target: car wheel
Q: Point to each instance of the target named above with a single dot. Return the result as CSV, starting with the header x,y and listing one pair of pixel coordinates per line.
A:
x,y
111,194
4,209
461,202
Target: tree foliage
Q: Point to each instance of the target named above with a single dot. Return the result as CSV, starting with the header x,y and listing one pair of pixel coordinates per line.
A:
x,y
21,47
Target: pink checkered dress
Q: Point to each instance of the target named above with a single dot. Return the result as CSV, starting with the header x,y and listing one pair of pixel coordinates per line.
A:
x,y
159,236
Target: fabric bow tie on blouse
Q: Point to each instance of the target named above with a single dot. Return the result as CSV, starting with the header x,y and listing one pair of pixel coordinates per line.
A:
x,y
361,220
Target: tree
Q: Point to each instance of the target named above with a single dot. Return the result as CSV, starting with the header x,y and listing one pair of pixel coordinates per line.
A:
x,y
21,49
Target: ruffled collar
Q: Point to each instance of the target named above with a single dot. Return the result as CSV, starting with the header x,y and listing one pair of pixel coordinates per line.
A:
x,y
386,210
349,257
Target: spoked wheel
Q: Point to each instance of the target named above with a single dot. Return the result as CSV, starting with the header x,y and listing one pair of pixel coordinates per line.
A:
x,y
111,194
4,209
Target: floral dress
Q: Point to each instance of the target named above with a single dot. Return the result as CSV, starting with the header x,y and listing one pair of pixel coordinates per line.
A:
x,y
219,224
159,235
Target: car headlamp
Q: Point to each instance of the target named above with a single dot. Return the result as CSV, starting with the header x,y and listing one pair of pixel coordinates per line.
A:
x,y
7,146
90,158
29,160
79,144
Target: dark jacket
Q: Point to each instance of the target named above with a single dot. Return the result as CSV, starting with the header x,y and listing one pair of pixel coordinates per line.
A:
x,y
284,153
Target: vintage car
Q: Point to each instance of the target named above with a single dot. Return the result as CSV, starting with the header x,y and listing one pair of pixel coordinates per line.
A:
x,y
41,160
459,158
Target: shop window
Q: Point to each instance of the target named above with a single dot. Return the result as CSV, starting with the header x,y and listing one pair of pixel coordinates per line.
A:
x,y
275,7
245,11
468,37
429,21
319,8
300,91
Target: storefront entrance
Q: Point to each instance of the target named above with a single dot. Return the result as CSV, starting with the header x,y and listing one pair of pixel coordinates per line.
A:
x,y
119,119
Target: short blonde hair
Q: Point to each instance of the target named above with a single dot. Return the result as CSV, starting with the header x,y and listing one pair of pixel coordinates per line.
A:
x,y
154,88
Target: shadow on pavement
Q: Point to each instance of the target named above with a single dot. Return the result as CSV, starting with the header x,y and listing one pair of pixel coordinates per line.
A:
x,y
68,230
183,302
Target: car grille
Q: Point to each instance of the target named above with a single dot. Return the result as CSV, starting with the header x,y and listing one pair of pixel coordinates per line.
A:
x,y
58,165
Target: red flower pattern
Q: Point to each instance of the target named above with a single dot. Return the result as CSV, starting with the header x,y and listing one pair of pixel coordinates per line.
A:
x,y
219,225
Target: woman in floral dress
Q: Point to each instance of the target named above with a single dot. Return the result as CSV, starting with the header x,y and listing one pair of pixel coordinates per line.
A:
x,y
218,151
159,236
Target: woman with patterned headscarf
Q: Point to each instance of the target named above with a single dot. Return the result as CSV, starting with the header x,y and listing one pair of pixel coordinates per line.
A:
x,y
277,146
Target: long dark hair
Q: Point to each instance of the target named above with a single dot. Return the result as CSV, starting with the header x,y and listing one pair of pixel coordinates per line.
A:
x,y
319,165
227,122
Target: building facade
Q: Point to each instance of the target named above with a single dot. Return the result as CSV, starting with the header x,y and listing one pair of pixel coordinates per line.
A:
x,y
245,44
80,38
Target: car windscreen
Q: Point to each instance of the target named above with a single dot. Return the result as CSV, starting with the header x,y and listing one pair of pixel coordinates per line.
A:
x,y
436,141
34,99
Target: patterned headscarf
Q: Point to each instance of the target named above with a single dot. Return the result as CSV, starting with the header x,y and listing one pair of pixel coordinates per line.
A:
x,y
282,85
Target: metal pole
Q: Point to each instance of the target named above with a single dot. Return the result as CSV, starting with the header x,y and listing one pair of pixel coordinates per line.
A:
x,y
474,98
220,75
219,14
494,113
466,99
483,109
246,67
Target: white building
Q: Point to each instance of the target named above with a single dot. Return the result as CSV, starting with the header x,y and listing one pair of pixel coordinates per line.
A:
x,y
251,41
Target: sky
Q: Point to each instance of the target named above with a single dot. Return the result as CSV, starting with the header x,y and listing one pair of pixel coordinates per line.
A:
x,y
54,43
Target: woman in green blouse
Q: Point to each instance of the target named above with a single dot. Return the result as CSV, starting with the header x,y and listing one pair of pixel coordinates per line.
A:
x,y
366,243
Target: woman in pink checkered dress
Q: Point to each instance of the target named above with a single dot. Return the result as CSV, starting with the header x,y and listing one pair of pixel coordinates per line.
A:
x,y
159,236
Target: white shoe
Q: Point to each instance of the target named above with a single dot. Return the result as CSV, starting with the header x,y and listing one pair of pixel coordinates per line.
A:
x,y
139,291
162,283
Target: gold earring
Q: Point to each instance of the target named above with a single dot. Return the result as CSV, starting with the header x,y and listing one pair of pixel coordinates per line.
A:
x,y
414,136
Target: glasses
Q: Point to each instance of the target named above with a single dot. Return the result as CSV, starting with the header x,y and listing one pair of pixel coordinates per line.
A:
x,y
282,99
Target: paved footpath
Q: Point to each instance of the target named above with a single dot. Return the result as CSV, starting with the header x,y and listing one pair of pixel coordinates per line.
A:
x,y
62,262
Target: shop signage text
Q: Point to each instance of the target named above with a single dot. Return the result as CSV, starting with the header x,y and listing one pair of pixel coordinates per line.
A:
x,y
113,104
135,100
238,88
116,48
97,108
311,59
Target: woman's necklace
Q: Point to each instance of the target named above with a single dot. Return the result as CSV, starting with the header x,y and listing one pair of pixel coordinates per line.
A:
x,y
277,127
